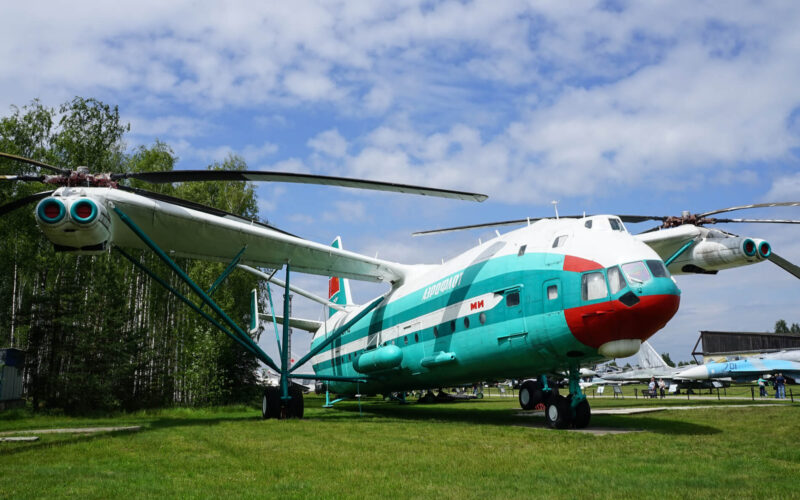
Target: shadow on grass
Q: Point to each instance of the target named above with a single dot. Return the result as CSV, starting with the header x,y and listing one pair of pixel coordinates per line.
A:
x,y
479,413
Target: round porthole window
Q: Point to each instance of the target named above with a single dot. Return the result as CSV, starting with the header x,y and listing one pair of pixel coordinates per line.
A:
x,y
482,318
466,322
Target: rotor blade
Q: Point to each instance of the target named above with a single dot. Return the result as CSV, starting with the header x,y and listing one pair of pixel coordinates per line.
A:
x,y
10,207
61,171
769,221
23,178
641,218
516,222
474,226
255,175
785,265
756,205
199,207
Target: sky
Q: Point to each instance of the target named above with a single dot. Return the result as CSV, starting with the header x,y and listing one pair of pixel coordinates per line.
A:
x,y
605,106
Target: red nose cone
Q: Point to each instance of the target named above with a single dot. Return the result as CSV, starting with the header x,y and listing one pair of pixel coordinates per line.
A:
x,y
596,324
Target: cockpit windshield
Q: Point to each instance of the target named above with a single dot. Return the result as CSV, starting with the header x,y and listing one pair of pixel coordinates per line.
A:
x,y
657,268
636,272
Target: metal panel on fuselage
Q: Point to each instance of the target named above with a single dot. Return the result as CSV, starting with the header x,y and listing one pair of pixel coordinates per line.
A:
x,y
511,339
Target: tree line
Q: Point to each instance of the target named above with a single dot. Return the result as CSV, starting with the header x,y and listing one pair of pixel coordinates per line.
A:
x,y
100,334
782,327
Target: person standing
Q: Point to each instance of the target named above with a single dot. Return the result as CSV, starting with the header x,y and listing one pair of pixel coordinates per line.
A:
x,y
780,384
662,387
652,387
762,388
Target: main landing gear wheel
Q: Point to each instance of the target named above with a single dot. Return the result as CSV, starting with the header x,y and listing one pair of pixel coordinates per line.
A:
x,y
557,413
296,403
530,395
582,415
271,403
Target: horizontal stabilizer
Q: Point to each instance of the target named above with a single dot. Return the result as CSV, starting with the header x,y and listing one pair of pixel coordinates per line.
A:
x,y
308,325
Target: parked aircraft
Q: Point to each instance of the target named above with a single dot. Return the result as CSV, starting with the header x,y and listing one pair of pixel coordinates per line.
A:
x,y
549,297
742,370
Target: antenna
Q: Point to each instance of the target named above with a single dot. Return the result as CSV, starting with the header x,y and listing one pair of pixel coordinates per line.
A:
x,y
555,206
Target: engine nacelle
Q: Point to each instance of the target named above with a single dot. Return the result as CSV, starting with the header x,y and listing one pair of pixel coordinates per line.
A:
x,y
714,254
74,223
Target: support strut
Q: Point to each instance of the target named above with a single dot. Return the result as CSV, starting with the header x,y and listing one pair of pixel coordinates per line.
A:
x,y
233,330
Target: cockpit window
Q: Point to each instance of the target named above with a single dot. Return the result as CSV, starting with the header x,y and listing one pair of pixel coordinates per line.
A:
x,y
657,268
559,241
636,271
615,280
615,223
588,224
593,286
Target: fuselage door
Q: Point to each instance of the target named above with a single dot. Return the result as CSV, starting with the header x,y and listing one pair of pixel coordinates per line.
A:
x,y
514,312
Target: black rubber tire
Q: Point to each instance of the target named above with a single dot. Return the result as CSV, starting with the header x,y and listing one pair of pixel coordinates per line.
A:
x,y
296,406
557,413
271,403
530,395
583,414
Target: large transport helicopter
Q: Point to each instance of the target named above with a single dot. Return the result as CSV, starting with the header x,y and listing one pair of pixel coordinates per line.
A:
x,y
546,298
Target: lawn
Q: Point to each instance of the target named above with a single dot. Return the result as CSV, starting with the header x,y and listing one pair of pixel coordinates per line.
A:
x,y
474,449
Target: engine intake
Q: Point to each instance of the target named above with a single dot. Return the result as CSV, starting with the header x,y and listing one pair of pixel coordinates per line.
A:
x,y
51,211
83,211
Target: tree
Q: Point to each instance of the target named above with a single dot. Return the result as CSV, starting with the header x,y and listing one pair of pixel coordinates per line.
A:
x,y
667,360
100,334
795,328
781,327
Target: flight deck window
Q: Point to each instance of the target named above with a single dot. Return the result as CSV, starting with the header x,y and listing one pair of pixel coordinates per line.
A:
x,y
616,225
512,299
593,286
588,224
559,241
657,268
636,271
615,280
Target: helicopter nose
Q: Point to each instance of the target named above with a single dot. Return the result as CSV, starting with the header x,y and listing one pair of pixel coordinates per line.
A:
x,y
616,328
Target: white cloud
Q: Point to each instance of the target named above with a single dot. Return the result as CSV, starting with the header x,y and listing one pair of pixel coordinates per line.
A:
x,y
330,143
785,188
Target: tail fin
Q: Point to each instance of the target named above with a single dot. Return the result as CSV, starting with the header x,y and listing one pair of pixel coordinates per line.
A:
x,y
338,288
649,358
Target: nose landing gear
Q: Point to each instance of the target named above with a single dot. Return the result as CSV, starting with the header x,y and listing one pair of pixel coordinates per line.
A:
x,y
573,410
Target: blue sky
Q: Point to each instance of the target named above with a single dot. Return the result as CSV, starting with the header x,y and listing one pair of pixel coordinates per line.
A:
x,y
607,107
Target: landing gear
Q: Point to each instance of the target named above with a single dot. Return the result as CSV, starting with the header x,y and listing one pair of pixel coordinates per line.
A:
x,y
557,413
582,414
530,395
273,407
571,411
271,403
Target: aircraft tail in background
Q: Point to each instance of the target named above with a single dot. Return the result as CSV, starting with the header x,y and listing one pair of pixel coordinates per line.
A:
x,y
338,288
649,358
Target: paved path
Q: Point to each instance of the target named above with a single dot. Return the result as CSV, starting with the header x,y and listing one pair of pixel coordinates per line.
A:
x,y
80,430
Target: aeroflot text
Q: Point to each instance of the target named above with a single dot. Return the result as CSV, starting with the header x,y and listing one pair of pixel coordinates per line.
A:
x,y
442,286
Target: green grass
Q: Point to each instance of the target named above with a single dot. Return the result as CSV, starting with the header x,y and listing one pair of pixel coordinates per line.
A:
x,y
476,449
